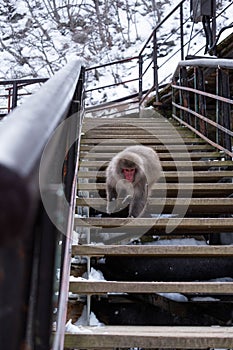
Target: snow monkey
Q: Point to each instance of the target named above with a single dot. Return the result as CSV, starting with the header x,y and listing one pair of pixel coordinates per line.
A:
x,y
129,179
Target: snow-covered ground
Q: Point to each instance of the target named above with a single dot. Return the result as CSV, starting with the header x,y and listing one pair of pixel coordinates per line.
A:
x,y
38,38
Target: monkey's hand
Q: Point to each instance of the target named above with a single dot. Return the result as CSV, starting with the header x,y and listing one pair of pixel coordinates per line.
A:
x,y
118,204
111,206
114,205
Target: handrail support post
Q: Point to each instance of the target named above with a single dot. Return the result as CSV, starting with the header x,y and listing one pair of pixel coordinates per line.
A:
x,y
155,63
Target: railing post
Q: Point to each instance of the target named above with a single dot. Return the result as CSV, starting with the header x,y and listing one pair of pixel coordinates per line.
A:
x,y
174,98
184,95
224,111
181,32
140,66
218,103
14,95
181,100
9,101
195,124
155,62
201,100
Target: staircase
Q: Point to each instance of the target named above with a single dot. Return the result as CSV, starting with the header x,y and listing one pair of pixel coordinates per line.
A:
x,y
192,200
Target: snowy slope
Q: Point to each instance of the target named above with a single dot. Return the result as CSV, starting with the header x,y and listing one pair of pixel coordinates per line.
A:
x,y
38,37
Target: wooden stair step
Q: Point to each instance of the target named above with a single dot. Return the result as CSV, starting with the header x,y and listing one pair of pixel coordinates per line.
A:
x,y
156,337
127,119
102,287
195,205
136,121
127,128
212,188
110,146
171,175
131,125
153,250
167,165
159,131
193,225
179,156
162,134
150,139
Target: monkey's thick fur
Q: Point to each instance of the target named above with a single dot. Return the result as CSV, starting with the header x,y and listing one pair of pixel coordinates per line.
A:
x,y
148,171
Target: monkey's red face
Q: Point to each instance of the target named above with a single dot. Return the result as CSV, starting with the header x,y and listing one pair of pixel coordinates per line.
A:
x,y
129,174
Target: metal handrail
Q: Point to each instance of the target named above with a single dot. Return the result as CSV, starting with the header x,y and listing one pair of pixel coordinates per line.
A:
x,y
153,62
93,68
20,157
160,24
196,115
29,239
148,57
13,86
205,62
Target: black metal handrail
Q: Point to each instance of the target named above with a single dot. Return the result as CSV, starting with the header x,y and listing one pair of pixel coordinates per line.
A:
x,y
34,121
94,69
13,87
29,241
150,76
196,106
153,38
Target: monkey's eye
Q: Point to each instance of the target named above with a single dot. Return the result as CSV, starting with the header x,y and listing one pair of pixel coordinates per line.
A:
x,y
128,170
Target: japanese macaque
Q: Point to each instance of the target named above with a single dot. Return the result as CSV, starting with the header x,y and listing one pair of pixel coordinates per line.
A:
x,y
129,179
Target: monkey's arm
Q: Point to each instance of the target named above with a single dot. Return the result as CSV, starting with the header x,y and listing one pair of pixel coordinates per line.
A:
x,y
139,200
116,201
111,192
111,198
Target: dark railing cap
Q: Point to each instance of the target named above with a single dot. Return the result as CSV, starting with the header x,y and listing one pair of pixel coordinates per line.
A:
x,y
23,136
205,62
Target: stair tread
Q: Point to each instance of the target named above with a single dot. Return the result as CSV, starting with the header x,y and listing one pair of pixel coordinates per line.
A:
x,y
82,286
137,222
171,174
159,148
132,121
161,225
180,156
169,164
148,139
212,205
182,337
165,136
169,186
153,250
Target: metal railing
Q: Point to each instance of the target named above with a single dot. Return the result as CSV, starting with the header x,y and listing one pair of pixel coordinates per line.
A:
x,y
202,100
93,74
154,65
13,90
32,245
